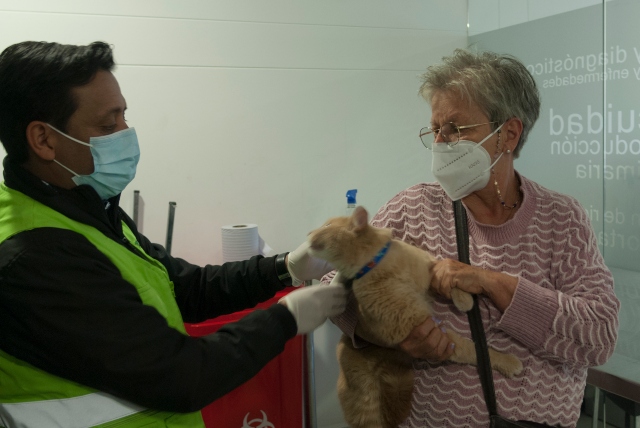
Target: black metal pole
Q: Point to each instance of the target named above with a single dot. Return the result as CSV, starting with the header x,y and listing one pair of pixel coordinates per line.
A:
x,y
172,213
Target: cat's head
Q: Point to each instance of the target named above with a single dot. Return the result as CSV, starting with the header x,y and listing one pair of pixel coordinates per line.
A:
x,y
344,241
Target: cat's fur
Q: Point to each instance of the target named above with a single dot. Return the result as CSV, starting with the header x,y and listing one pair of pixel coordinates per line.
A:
x,y
375,384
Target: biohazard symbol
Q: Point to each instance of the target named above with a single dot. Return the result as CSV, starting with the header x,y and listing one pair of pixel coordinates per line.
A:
x,y
261,423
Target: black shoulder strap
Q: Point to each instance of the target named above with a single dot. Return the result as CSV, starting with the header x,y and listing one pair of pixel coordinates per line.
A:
x,y
475,320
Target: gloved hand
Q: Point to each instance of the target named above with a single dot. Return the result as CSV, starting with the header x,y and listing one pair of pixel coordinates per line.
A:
x,y
303,266
312,305
337,278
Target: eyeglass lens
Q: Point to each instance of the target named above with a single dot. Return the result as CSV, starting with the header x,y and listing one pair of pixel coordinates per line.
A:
x,y
449,133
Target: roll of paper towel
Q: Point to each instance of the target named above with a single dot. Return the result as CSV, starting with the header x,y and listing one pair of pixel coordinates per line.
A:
x,y
241,242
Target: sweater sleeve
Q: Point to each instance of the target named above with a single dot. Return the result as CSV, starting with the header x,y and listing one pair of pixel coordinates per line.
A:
x,y
348,320
577,317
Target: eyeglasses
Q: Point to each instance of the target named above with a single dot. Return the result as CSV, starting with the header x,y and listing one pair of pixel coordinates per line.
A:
x,y
449,132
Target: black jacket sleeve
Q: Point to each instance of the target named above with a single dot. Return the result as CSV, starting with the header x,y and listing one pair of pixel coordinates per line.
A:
x,y
65,309
209,291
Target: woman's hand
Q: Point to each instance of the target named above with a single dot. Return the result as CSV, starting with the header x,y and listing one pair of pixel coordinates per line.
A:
x,y
428,341
449,273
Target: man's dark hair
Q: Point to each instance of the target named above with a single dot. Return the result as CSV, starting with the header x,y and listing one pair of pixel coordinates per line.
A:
x,y
36,79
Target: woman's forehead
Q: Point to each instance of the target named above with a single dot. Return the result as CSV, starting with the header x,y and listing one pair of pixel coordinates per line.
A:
x,y
451,107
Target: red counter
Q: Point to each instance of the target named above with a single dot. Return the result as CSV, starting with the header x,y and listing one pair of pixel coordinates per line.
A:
x,y
274,398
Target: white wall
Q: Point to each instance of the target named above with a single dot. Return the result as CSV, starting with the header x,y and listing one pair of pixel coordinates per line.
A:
x,y
262,112
489,15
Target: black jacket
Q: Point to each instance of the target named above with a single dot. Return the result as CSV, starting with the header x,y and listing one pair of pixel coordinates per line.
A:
x,y
65,308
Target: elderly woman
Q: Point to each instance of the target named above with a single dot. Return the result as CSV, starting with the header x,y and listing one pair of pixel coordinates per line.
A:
x,y
545,294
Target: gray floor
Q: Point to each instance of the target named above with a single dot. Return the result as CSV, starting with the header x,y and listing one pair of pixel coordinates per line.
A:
x,y
614,414
585,421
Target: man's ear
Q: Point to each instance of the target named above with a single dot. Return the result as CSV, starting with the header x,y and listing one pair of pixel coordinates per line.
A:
x,y
511,133
41,140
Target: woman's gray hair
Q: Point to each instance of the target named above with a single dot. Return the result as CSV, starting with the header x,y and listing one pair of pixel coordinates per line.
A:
x,y
499,84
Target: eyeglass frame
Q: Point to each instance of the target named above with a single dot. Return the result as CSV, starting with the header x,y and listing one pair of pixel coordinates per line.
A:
x,y
437,132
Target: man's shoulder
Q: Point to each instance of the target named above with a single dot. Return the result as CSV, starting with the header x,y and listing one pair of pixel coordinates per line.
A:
x,y
54,244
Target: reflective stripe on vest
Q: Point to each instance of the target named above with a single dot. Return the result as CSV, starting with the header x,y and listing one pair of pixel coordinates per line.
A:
x,y
77,412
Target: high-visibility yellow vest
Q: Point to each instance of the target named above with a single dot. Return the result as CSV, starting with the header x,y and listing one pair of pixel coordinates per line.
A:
x,y
32,398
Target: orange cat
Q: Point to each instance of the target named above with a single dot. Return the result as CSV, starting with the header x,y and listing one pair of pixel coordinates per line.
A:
x,y
375,384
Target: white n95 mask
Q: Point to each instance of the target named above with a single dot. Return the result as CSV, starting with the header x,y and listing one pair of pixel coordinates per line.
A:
x,y
463,168
115,159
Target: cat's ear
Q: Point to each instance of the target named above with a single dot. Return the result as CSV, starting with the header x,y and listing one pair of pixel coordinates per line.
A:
x,y
359,219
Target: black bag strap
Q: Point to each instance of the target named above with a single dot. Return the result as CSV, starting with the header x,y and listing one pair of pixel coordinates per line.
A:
x,y
475,320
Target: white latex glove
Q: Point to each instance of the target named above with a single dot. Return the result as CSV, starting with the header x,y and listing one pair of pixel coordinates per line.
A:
x,y
303,266
312,305
337,278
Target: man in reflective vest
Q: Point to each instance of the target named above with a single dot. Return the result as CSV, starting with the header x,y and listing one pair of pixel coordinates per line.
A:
x,y
92,312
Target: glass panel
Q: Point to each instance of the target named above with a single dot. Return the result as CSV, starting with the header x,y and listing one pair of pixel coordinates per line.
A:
x,y
564,151
586,61
621,235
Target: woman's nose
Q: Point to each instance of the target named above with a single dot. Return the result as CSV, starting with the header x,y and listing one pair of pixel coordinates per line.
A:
x,y
439,137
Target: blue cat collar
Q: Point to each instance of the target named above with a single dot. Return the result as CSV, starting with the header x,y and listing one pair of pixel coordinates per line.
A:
x,y
374,262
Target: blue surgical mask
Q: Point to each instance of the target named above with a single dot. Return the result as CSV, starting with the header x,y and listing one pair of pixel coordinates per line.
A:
x,y
115,158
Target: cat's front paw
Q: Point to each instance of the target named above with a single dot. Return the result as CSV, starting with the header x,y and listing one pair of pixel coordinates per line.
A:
x,y
462,299
506,364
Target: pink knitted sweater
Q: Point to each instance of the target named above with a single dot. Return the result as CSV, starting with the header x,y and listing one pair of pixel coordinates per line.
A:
x,y
563,317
